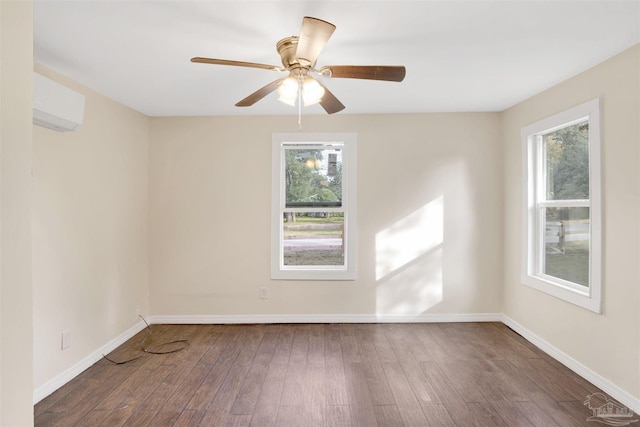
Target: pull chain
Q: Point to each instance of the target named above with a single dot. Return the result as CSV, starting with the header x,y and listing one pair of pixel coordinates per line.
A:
x,y
300,82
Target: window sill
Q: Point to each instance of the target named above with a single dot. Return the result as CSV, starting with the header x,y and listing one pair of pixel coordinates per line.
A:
x,y
569,294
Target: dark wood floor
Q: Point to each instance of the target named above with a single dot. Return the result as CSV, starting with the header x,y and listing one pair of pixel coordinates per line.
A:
x,y
460,374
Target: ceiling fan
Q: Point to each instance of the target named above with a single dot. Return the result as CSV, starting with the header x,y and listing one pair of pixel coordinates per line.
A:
x,y
299,55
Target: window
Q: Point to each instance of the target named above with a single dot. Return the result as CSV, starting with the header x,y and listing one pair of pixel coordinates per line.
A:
x,y
561,254
313,207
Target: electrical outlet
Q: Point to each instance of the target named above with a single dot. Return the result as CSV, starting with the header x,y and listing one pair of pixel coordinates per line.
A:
x,y
66,340
264,293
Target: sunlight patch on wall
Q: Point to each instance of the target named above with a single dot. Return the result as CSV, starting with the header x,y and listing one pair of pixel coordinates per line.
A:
x,y
414,288
409,238
409,261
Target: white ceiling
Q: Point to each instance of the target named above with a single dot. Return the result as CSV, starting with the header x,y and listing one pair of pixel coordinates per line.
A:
x,y
460,55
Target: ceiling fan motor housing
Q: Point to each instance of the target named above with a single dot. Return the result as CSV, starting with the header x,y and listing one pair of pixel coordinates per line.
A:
x,y
287,49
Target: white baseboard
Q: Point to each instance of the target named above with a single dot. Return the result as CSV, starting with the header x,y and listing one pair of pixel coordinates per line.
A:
x,y
599,381
66,376
326,318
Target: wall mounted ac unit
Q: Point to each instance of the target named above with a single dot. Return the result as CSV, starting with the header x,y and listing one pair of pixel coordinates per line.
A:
x,y
56,106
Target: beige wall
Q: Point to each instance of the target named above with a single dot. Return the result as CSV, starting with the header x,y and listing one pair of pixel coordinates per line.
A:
x,y
90,240
608,344
210,181
16,349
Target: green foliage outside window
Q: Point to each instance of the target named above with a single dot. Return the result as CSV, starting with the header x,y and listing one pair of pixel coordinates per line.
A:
x,y
306,183
568,163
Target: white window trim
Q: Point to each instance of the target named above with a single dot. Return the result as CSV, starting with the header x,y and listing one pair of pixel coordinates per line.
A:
x,y
278,270
589,298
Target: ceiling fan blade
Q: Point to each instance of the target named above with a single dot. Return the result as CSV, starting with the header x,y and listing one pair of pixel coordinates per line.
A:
x,y
369,72
313,36
329,102
236,63
259,94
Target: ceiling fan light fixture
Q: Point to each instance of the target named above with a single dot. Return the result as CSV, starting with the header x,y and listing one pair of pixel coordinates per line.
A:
x,y
312,91
288,91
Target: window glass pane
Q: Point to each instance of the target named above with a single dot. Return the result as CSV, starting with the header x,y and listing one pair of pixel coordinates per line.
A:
x,y
313,238
313,177
567,157
567,244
